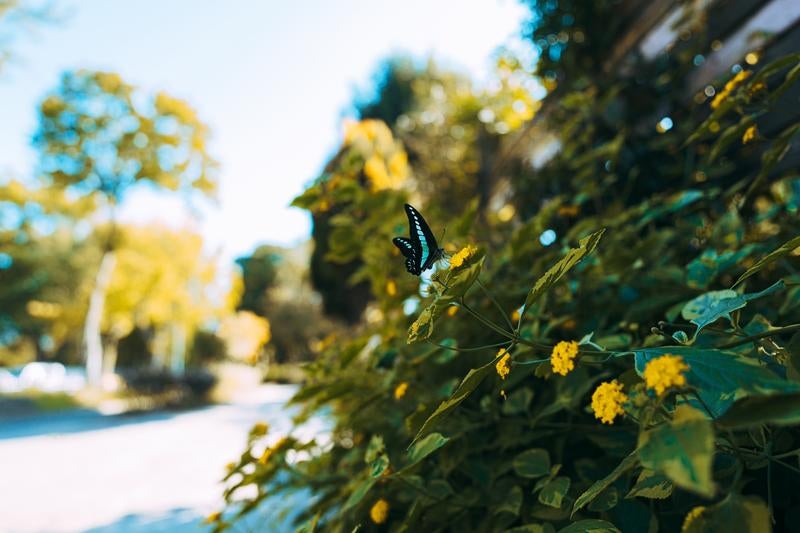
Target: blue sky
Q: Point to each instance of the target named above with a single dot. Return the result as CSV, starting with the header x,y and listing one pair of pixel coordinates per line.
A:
x,y
270,78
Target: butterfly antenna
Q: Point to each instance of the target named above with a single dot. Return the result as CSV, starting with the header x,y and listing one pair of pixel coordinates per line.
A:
x,y
444,254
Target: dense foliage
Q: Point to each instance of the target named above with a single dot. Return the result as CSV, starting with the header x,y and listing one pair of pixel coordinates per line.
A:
x,y
614,346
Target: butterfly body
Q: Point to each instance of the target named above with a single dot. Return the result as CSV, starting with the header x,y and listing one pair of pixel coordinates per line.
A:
x,y
420,249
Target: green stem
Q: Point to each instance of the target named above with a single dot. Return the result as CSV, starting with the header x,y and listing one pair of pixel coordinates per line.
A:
x,y
750,338
496,303
489,324
531,362
471,349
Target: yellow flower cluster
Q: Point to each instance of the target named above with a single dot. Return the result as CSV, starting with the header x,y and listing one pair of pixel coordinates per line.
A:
x,y
259,429
729,88
607,401
400,390
461,256
385,161
562,359
664,372
213,518
691,516
452,310
380,511
269,452
370,130
749,134
503,366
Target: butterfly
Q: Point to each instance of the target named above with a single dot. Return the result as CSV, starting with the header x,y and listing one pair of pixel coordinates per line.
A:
x,y
420,249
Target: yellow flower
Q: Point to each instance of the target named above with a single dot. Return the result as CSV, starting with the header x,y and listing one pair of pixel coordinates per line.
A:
x,y
691,516
758,87
515,315
563,357
607,401
462,255
398,165
452,310
749,134
400,390
380,511
664,372
213,518
260,429
391,288
729,88
375,169
269,452
503,366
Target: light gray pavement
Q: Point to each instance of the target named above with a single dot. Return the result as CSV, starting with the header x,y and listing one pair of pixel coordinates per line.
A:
x,y
158,472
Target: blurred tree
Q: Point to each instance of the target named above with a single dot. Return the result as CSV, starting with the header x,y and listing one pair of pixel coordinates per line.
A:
x,y
206,347
161,283
43,270
19,16
393,93
98,138
258,276
275,286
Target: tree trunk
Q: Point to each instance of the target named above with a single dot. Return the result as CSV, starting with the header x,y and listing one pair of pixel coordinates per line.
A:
x,y
177,349
93,343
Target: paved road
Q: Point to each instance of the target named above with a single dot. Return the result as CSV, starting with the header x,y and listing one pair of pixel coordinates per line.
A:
x,y
158,472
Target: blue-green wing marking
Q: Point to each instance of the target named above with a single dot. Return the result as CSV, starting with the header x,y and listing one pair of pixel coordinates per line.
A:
x,y
422,239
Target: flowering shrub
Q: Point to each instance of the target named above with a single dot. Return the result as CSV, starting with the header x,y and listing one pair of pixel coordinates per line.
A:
x,y
639,370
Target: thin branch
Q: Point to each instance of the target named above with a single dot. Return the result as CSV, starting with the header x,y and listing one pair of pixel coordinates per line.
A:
x,y
488,323
751,338
496,303
471,349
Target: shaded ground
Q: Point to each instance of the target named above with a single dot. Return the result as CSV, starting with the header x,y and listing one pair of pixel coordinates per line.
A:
x,y
159,472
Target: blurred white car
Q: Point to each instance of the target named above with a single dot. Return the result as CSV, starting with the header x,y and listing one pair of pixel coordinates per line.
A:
x,y
48,377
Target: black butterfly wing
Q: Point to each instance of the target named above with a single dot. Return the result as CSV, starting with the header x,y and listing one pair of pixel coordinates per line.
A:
x,y
422,239
411,252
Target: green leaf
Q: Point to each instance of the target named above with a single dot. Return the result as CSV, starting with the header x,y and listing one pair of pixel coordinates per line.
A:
x,y
455,282
682,450
358,494
532,528
518,401
467,385
731,134
720,376
791,78
532,463
375,448
511,503
557,271
781,410
742,514
711,306
599,486
608,499
424,447
773,68
590,526
553,492
651,485
379,466
771,257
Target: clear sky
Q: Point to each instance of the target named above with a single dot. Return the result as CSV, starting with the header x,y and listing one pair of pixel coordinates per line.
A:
x,y
271,79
